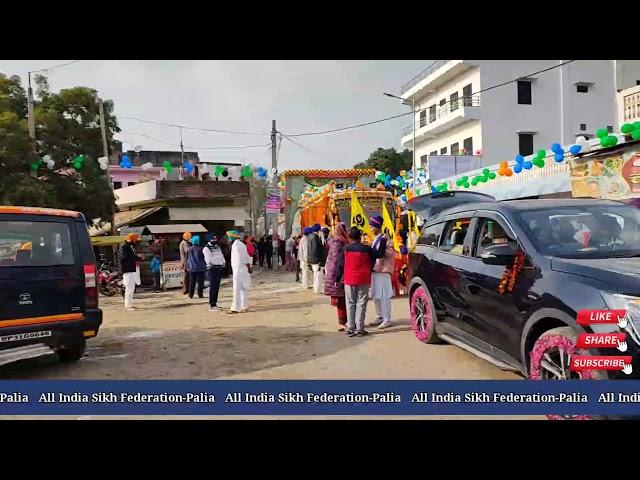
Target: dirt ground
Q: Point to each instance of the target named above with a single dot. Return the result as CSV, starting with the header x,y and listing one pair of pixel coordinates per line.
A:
x,y
288,334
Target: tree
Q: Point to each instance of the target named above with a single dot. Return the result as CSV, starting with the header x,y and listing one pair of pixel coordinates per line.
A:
x,y
388,160
67,125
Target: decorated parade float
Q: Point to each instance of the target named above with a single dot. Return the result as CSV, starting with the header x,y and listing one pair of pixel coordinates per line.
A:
x,y
327,197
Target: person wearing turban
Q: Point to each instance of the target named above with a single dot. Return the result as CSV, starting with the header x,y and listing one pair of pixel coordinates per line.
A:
x,y
184,247
129,263
303,252
381,285
241,267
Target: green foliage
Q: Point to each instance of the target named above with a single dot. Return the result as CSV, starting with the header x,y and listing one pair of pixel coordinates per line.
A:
x,y
388,160
67,126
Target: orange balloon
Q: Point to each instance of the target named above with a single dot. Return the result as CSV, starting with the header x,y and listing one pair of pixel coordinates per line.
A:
x,y
509,173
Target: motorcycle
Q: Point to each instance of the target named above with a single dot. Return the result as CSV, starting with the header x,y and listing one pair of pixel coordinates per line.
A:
x,y
110,283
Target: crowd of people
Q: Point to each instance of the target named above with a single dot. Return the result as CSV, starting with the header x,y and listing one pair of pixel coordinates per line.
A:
x,y
214,259
340,266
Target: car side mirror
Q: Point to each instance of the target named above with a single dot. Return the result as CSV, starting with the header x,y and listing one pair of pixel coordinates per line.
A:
x,y
498,254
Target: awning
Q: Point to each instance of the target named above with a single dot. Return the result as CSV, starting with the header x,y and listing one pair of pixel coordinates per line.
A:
x,y
178,228
131,216
108,241
237,214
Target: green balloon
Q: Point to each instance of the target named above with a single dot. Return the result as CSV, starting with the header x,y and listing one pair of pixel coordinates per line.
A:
x,y
474,181
636,125
485,171
491,175
602,133
77,165
626,128
541,153
636,134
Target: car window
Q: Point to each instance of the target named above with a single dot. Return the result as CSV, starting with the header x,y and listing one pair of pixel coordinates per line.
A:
x,y
431,235
35,244
589,231
454,234
491,232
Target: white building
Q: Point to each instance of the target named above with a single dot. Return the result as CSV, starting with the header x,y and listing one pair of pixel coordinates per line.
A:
x,y
521,117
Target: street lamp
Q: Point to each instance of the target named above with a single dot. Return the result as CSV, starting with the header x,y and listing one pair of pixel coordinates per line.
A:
x,y
411,103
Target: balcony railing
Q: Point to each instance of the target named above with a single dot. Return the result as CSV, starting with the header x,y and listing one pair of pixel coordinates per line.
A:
x,y
423,74
442,111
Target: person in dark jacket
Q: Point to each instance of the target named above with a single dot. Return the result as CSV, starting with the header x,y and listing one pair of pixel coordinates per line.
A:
x,y
225,246
268,251
261,250
332,287
354,270
315,257
196,266
129,263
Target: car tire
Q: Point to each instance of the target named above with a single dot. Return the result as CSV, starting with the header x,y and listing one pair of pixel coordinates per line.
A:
x,y
423,316
554,344
71,352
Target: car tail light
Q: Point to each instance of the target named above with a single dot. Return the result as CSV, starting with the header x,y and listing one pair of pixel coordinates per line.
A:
x,y
90,285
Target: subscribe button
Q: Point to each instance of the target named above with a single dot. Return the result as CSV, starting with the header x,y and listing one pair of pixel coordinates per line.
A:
x,y
584,362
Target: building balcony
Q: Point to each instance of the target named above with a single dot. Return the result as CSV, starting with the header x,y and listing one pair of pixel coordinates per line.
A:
x,y
444,118
434,76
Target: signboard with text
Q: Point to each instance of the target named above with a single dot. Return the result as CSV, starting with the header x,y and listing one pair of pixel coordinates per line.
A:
x,y
273,203
172,274
613,177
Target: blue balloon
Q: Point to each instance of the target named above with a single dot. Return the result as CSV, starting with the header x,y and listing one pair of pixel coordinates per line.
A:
x,y
387,177
527,165
575,149
399,178
125,159
387,182
517,168
558,157
403,197
519,159
556,148
433,189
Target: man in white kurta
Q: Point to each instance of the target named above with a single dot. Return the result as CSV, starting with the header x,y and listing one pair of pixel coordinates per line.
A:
x,y
241,265
303,250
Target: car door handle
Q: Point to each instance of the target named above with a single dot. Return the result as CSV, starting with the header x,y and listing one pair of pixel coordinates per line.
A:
x,y
473,289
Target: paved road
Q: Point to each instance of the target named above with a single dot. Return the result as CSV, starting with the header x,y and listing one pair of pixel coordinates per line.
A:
x,y
290,334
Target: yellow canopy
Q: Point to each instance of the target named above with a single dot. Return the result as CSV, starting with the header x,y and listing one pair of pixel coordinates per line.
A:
x,y
108,241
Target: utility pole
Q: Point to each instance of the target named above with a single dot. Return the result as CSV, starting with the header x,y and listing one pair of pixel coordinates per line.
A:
x,y
105,153
273,217
31,120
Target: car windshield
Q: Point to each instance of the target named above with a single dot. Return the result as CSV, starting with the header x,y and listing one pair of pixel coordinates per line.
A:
x,y
586,231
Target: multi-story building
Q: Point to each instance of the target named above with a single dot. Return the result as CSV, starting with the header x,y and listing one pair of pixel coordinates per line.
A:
x,y
533,112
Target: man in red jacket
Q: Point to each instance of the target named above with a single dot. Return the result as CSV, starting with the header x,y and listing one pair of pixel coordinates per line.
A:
x,y
355,268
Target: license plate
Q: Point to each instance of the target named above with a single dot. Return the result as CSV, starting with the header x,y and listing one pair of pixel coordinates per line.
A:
x,y
24,336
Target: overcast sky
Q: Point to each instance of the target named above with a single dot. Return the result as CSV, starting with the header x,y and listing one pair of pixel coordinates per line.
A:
x,y
301,96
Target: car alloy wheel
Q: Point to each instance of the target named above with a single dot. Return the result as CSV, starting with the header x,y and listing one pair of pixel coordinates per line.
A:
x,y
551,360
421,318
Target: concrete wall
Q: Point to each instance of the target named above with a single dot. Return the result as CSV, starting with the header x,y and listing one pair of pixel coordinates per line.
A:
x,y
627,74
457,134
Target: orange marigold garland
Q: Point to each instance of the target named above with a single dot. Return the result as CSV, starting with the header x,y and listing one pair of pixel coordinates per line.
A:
x,y
510,275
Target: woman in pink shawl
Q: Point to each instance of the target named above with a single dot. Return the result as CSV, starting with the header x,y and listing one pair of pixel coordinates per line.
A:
x,y
333,286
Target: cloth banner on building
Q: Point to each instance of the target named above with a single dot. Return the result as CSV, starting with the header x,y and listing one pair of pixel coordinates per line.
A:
x,y
358,217
613,177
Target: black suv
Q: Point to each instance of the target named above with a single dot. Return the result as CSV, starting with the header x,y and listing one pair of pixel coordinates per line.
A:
x,y
48,294
574,254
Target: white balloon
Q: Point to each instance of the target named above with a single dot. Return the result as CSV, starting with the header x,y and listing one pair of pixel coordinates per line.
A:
x,y
51,164
586,147
104,162
146,166
46,158
581,140
137,148
273,170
